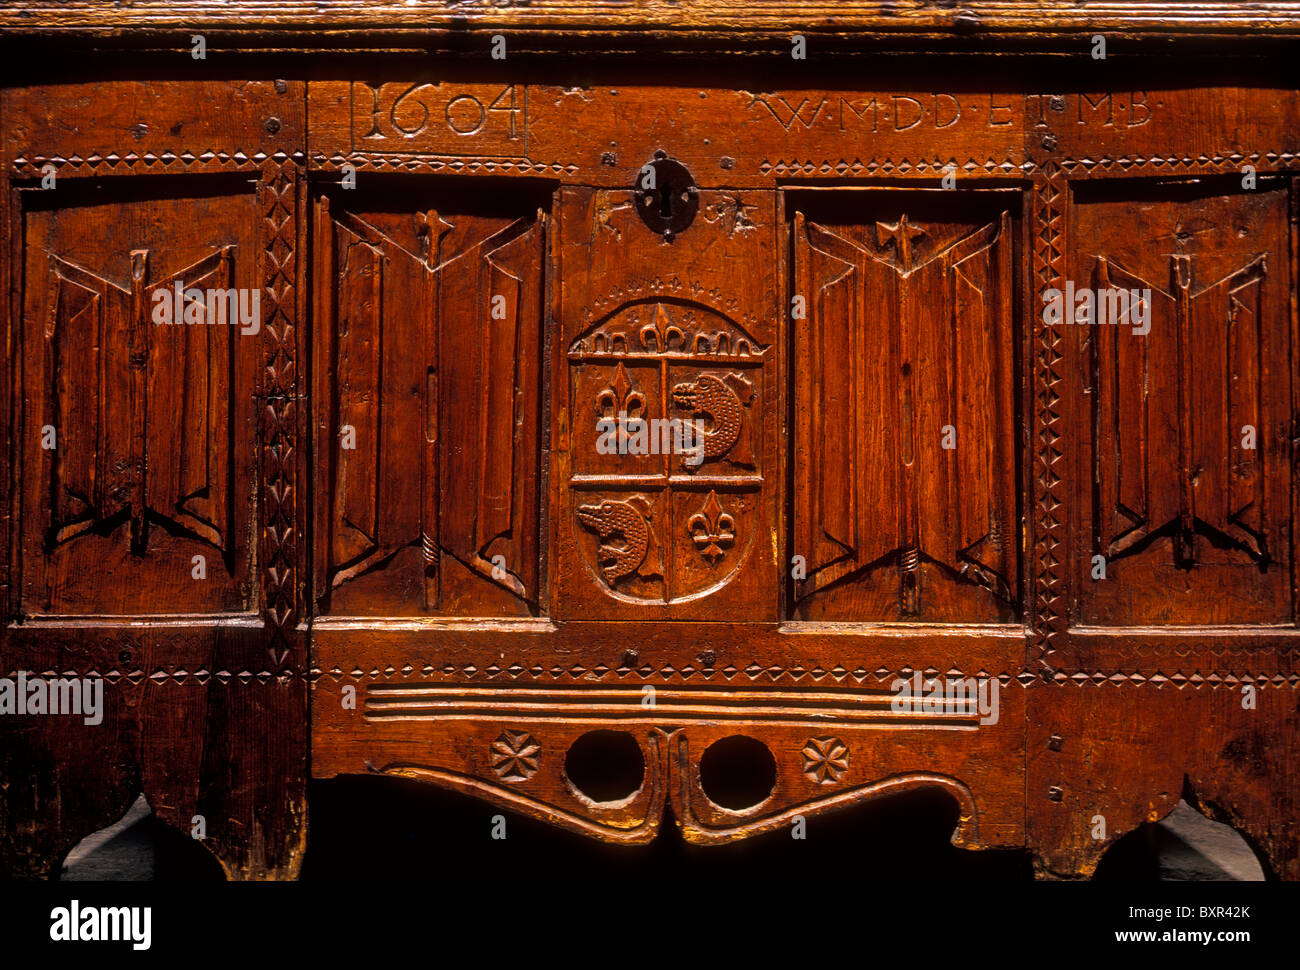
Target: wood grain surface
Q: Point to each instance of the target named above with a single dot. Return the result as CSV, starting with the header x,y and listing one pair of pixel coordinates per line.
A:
x,y
421,559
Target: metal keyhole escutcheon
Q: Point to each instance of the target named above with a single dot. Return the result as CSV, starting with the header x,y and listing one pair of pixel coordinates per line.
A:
x,y
666,195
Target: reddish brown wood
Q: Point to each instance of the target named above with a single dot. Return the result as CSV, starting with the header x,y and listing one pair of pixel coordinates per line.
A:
x,y
420,560
172,442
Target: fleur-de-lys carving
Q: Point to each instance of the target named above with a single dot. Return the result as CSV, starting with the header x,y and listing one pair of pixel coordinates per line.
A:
x,y
619,397
668,336
515,755
825,760
712,530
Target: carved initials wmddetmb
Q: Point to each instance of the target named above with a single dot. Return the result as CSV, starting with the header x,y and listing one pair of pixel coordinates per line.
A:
x,y
1208,341
142,410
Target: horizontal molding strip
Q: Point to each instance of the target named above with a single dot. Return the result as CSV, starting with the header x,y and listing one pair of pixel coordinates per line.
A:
x,y
432,701
1031,20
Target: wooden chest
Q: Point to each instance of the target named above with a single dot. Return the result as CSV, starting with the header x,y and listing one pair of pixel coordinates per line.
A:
x,y
695,407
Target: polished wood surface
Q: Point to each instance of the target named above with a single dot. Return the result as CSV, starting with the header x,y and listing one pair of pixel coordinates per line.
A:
x,y
422,560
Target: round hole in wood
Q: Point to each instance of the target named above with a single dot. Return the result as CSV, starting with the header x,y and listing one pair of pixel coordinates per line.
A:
x,y
737,772
605,766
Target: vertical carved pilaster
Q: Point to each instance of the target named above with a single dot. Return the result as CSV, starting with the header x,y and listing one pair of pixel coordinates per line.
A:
x,y
278,195
1049,537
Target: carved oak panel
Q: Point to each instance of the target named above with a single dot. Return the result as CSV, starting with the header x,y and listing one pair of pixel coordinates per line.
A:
x,y
153,282
1188,389
904,411
429,334
663,431
534,455
139,399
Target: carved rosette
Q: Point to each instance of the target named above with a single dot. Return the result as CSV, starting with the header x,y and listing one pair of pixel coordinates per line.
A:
x,y
515,756
825,760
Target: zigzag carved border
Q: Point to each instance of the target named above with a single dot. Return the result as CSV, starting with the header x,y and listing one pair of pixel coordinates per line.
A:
x,y
179,676
278,196
150,163
1048,614
173,162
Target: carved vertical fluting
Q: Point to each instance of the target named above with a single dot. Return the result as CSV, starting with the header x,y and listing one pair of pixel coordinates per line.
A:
x,y
278,431
1049,608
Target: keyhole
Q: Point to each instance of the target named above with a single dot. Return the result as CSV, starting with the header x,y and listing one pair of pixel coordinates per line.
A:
x,y
670,205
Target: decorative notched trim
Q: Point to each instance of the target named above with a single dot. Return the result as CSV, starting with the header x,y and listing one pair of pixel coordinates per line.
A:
x,y
887,166
160,676
773,673
278,195
579,672
1048,464
201,675
439,164
173,161
150,163
843,168
1178,679
1227,162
